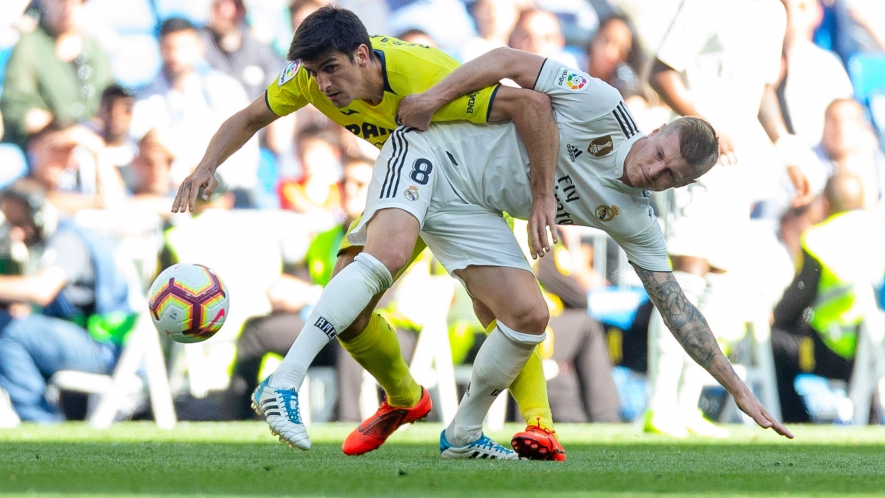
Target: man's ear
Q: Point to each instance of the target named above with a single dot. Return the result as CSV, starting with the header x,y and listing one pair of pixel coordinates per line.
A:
x,y
362,56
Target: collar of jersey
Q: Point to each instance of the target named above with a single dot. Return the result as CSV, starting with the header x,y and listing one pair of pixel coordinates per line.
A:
x,y
621,157
380,55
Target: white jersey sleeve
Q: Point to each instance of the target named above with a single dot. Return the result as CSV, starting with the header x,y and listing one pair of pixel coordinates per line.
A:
x,y
576,96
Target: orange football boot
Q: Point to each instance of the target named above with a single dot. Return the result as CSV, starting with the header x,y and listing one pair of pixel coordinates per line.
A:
x,y
376,429
537,443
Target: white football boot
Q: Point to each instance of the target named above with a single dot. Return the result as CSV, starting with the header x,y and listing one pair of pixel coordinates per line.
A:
x,y
280,408
484,447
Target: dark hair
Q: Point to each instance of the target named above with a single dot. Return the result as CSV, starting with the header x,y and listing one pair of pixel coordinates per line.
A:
x,y
327,31
175,25
698,143
315,132
635,57
114,92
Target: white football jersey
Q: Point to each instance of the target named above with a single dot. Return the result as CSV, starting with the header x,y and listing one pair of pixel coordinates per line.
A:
x,y
488,164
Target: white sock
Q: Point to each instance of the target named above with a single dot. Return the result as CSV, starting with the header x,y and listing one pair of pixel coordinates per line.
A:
x,y
342,300
498,362
666,358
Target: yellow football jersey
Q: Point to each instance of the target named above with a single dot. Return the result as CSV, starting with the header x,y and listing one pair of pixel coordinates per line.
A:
x,y
408,68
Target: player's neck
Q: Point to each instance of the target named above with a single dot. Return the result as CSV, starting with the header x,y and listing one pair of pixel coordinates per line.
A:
x,y
374,82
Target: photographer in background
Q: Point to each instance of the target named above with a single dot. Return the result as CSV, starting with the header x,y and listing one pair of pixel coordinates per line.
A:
x,y
66,308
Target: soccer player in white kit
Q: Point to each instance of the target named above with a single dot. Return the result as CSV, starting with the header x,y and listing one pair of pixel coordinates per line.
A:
x,y
457,179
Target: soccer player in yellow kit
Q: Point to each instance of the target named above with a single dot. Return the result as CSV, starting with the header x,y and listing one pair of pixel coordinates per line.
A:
x,y
358,82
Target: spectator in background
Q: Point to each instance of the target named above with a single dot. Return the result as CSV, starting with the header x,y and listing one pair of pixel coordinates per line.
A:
x,y
56,71
418,36
849,144
114,119
814,77
538,31
187,101
816,321
615,57
708,66
495,20
149,176
318,189
70,163
84,299
300,9
232,49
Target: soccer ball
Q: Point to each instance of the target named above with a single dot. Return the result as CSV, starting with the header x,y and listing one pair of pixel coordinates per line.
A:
x,y
188,302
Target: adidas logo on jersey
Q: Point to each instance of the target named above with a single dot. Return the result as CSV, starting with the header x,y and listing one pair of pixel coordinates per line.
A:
x,y
573,152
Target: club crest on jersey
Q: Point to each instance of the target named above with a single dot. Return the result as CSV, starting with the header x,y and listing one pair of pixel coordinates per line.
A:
x,y
570,79
288,72
601,146
606,213
411,193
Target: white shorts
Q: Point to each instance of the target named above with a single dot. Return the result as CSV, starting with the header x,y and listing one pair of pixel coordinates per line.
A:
x,y
408,176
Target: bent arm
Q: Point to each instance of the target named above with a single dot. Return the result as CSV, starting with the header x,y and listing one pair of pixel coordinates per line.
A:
x,y
230,137
486,70
689,327
532,115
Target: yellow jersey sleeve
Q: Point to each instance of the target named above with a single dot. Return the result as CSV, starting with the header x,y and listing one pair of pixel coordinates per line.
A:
x,y
407,68
287,94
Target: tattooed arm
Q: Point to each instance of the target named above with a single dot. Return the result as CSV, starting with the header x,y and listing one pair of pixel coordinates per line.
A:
x,y
691,330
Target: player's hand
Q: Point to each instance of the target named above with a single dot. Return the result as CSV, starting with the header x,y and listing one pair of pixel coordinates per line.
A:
x,y
542,218
748,403
727,156
186,198
416,111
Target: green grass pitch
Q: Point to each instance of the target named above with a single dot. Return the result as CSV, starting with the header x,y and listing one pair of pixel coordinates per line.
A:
x,y
243,459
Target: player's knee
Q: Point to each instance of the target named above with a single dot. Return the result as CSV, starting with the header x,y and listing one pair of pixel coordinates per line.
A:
x,y
531,319
394,258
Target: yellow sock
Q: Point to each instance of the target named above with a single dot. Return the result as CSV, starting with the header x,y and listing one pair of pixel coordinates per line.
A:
x,y
377,350
529,389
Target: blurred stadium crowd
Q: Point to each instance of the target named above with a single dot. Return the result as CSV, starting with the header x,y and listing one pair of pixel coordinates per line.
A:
x,y
107,104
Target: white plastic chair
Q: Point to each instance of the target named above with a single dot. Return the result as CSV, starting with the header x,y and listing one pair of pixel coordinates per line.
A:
x,y
868,374
113,391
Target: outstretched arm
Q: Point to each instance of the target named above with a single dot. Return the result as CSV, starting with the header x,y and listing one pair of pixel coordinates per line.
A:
x,y
691,330
530,111
230,137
